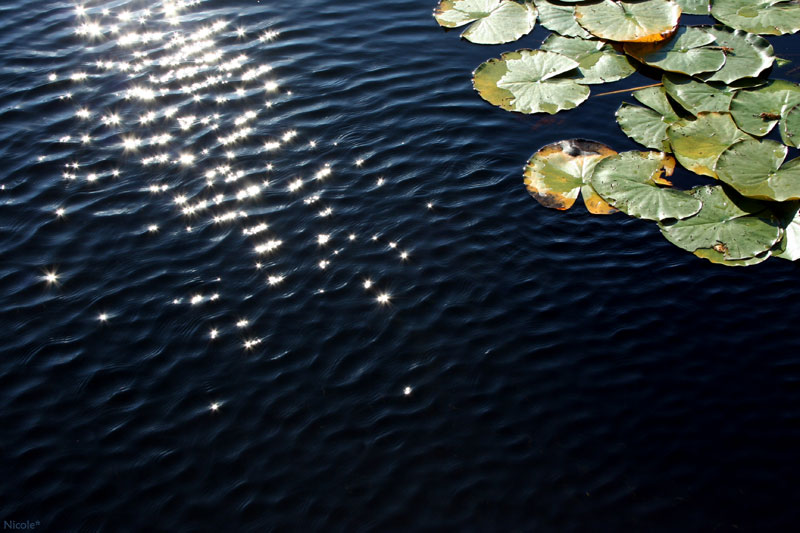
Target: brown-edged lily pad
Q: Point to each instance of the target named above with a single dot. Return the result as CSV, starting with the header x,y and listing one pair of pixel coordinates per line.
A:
x,y
629,21
558,172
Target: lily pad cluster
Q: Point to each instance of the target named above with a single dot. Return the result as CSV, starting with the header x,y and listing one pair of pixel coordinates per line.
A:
x,y
708,114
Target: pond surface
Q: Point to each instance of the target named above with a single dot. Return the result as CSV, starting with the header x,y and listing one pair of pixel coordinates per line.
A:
x,y
271,266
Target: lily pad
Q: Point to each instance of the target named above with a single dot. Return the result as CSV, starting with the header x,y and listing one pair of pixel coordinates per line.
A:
x,y
629,21
746,55
735,228
598,62
790,127
629,181
689,51
656,99
755,169
770,17
757,111
560,19
527,81
697,144
698,97
558,172
789,215
719,257
493,21
648,126
693,7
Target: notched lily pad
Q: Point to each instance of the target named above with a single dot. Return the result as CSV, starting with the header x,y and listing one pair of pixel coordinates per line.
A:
x,y
560,18
648,126
598,62
756,169
530,81
629,21
493,21
558,172
630,182
690,50
735,228
697,144
697,97
746,55
757,111
770,17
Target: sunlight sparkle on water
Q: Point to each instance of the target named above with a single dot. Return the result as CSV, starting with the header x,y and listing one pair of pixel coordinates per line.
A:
x,y
157,55
51,277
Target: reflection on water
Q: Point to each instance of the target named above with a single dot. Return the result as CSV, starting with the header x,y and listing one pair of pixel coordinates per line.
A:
x,y
188,109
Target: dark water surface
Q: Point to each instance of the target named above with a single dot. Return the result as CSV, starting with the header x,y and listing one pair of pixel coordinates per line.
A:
x,y
437,351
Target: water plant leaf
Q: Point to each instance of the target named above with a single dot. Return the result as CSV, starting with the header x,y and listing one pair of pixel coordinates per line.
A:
x,y
598,62
629,21
687,52
719,257
756,170
644,126
770,17
526,81
734,227
693,7
757,111
560,19
697,144
790,127
493,21
486,76
789,215
629,181
746,55
656,99
559,171
697,97
648,126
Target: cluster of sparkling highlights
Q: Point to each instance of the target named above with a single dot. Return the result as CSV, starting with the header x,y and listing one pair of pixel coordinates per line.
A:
x,y
190,116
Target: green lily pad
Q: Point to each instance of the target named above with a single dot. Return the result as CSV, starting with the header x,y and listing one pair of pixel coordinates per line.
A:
x,y
560,19
486,76
527,81
735,228
686,52
558,172
598,62
698,97
493,21
693,7
770,17
629,21
629,181
757,111
656,99
789,215
648,126
755,169
746,55
697,144
790,127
